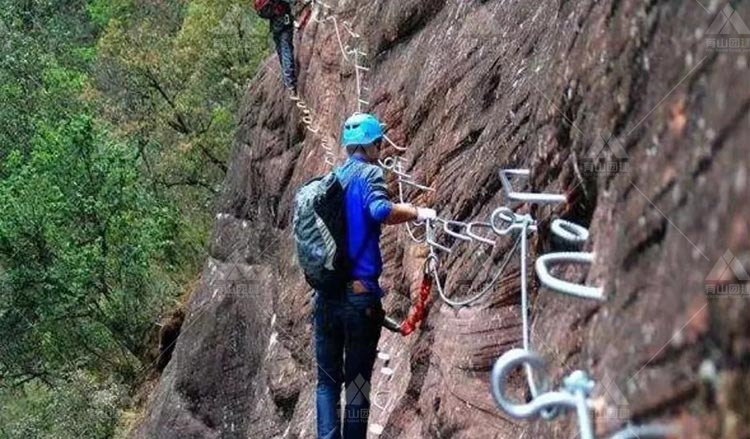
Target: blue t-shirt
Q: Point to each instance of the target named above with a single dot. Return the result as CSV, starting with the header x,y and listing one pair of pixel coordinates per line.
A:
x,y
366,205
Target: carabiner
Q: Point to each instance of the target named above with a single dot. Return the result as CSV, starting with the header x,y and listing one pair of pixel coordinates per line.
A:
x,y
447,229
430,237
477,237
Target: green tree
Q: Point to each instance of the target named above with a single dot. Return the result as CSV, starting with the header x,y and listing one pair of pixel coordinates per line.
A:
x,y
117,123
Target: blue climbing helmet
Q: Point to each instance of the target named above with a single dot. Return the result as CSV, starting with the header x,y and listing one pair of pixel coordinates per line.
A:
x,y
361,129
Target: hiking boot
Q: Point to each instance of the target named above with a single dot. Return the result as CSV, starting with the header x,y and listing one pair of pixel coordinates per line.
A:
x,y
293,95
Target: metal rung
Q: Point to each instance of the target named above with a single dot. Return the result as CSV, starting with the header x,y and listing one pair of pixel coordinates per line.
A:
x,y
527,197
544,262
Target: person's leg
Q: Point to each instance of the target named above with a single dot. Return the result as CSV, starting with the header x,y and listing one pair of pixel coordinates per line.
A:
x,y
287,57
363,320
283,38
329,346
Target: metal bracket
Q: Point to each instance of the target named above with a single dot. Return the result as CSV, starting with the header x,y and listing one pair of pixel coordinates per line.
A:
x,y
574,396
526,197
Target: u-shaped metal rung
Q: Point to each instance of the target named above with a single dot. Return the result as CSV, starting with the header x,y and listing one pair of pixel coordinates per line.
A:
x,y
473,235
561,286
394,165
647,432
400,148
447,229
416,185
350,29
430,237
570,231
527,197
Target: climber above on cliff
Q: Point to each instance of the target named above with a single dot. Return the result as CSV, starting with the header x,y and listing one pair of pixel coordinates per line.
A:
x,y
340,256
279,13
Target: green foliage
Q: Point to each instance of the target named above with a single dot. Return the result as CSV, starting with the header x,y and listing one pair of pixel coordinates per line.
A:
x,y
85,408
117,125
175,87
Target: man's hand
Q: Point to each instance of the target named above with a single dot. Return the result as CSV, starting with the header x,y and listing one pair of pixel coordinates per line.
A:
x,y
425,213
401,213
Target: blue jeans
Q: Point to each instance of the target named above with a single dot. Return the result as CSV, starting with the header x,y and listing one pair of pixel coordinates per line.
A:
x,y
283,36
346,341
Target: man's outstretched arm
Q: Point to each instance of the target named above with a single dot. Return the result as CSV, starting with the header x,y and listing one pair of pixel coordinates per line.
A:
x,y
403,212
384,211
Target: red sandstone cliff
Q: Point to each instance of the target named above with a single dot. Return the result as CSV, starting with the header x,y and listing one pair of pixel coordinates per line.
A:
x,y
471,87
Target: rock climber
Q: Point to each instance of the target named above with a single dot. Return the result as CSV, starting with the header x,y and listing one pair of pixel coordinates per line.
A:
x,y
280,15
347,329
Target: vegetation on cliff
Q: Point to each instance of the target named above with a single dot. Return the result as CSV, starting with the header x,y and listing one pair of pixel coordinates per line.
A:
x,y
117,120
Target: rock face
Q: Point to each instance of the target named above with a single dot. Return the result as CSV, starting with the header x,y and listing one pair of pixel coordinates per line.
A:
x,y
470,88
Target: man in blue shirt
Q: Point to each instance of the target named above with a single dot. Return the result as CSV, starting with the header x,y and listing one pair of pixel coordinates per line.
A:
x,y
347,330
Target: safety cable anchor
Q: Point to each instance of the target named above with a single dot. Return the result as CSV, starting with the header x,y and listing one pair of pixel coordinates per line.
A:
x,y
573,396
